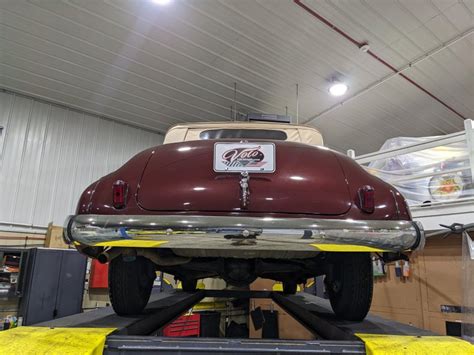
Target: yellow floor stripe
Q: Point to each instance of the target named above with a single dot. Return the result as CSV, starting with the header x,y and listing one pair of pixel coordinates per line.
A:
x,y
52,341
132,243
349,248
381,344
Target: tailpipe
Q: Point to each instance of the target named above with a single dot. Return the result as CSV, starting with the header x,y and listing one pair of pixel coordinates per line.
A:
x,y
109,255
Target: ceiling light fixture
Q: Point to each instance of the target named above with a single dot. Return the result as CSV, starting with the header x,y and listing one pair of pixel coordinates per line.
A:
x,y
338,89
161,2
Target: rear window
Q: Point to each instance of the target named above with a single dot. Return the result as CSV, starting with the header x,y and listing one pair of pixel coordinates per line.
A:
x,y
243,133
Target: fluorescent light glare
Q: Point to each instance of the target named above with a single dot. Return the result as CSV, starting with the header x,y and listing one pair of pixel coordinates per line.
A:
x,y
162,2
338,89
298,178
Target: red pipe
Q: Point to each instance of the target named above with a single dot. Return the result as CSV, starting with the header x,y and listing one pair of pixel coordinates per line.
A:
x,y
388,65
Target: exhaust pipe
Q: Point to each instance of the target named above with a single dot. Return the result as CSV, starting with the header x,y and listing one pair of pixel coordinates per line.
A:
x,y
109,255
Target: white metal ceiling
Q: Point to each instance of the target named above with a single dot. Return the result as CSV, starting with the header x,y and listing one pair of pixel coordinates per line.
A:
x,y
157,66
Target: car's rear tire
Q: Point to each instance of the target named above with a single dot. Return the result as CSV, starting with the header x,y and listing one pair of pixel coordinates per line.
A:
x,y
188,285
350,286
289,287
130,284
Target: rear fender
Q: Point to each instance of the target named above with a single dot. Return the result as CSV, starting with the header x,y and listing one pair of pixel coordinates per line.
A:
x,y
97,198
389,203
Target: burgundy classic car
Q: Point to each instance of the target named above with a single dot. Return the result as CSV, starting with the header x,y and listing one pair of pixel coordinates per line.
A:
x,y
241,201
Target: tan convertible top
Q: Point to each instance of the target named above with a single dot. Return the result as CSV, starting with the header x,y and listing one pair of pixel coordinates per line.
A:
x,y
294,133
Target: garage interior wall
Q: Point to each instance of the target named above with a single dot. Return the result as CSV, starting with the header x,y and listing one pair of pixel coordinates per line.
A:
x,y
49,154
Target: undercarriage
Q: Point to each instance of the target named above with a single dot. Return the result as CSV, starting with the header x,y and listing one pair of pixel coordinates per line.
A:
x,y
348,277
239,272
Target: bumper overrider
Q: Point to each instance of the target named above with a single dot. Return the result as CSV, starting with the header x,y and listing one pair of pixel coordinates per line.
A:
x,y
247,233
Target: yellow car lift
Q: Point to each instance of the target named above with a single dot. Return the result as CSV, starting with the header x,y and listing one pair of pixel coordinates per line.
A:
x,y
102,331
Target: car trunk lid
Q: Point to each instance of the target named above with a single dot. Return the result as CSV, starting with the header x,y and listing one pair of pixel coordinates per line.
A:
x,y
306,180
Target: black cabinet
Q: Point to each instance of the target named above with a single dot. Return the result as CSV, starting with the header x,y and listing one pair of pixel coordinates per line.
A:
x,y
53,284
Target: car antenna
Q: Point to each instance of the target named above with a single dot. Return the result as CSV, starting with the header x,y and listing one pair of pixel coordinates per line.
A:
x,y
235,102
297,104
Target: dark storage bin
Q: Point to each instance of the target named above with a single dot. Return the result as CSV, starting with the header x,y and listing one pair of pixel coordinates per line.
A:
x,y
210,321
236,330
270,326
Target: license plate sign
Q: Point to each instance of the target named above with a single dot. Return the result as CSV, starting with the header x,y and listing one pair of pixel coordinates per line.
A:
x,y
240,157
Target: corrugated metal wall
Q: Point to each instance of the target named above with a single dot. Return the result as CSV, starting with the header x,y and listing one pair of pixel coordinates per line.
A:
x,y
49,154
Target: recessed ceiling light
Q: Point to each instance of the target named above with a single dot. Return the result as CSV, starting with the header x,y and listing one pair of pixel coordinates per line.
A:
x,y
338,89
161,2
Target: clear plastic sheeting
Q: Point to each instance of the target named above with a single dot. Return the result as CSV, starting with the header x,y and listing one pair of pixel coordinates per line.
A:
x,y
439,174
467,327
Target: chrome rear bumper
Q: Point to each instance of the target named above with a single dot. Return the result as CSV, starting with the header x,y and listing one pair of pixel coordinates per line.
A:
x,y
244,233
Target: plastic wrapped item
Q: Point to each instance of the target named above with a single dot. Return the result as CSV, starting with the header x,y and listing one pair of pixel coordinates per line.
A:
x,y
439,174
467,327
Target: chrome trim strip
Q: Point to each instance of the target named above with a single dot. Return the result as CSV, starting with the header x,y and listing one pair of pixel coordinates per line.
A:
x,y
259,233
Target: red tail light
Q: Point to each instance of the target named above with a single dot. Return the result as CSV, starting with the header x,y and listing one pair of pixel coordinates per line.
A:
x,y
119,191
367,199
